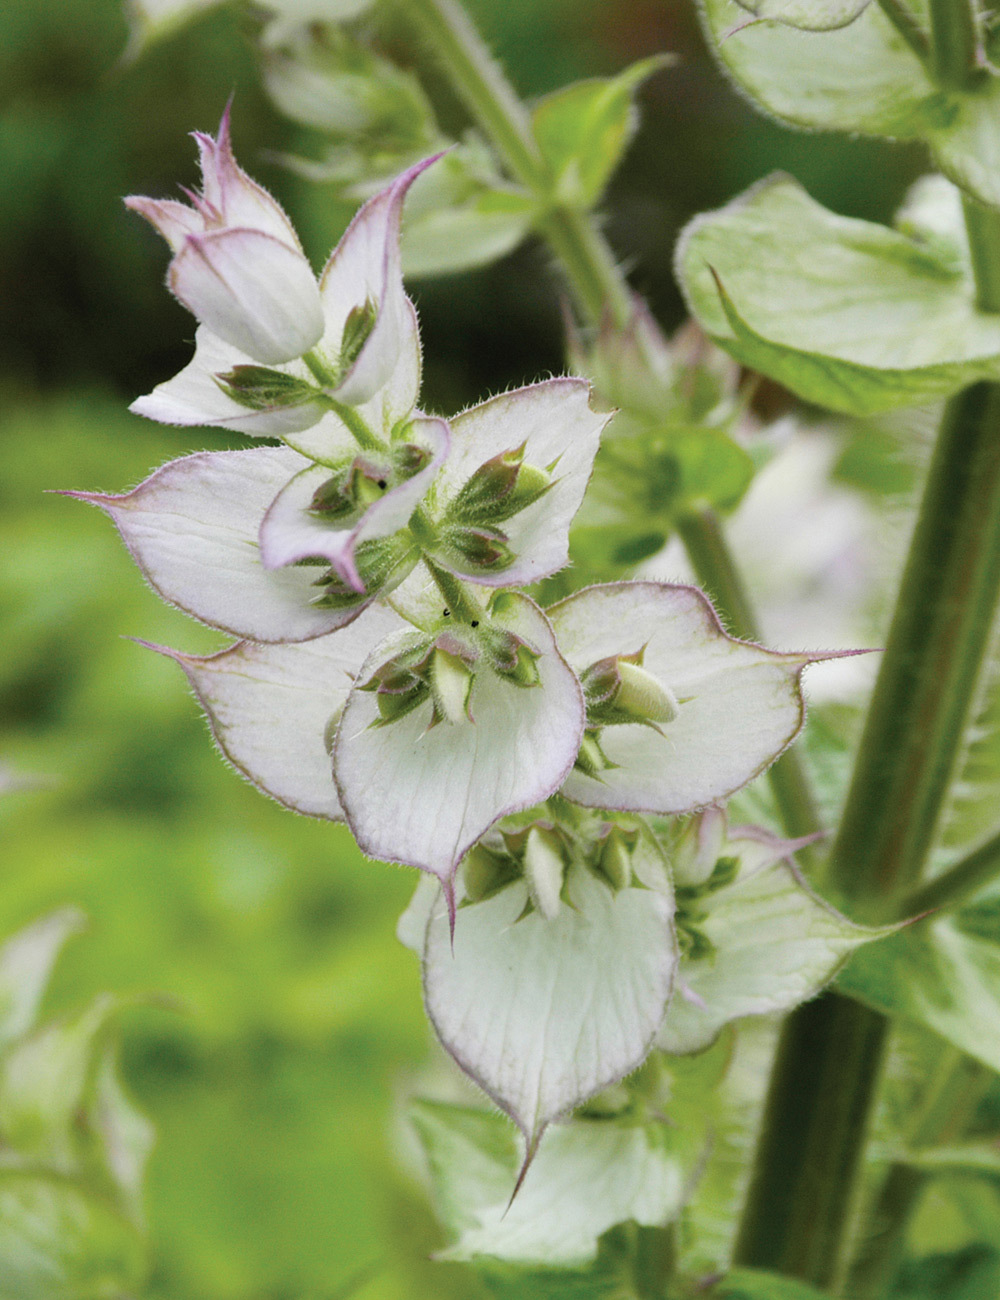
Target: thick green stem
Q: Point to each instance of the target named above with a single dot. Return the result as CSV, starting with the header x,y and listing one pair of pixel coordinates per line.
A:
x,y
815,1121
954,42
459,600
939,636
932,664
983,225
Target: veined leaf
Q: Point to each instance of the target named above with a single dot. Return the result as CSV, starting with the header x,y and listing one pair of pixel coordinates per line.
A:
x,y
833,307
588,1176
862,78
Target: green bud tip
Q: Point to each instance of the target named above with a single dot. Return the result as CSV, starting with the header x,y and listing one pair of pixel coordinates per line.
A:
x,y
451,685
544,870
615,862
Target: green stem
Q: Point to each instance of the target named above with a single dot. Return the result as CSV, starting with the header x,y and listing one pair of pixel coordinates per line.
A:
x,y
655,1257
904,21
954,42
932,664
983,225
701,533
587,261
958,882
460,601
938,638
360,431
815,1121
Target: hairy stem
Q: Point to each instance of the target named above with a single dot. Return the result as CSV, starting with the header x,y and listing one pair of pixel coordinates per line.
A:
x,y
939,637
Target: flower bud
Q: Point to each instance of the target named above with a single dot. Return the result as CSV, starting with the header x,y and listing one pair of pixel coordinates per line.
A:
x,y
500,488
698,848
484,872
451,685
618,690
544,869
509,656
591,758
481,547
615,862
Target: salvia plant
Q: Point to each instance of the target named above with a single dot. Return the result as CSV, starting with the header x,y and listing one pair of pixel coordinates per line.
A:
x,y
452,634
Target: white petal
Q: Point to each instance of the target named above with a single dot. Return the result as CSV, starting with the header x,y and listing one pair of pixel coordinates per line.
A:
x,y
740,705
289,532
425,796
365,267
173,220
252,290
192,529
240,201
194,397
545,1013
555,420
270,707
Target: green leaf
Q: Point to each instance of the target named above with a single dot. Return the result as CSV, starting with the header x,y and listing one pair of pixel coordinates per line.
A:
x,y
751,1284
863,78
588,1176
481,230
26,963
942,973
583,129
763,943
59,1242
832,307
810,15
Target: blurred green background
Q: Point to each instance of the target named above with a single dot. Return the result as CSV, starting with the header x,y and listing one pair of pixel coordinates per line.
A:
x,y
292,1029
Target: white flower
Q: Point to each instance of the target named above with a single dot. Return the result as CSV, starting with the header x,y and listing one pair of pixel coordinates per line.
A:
x,y
239,267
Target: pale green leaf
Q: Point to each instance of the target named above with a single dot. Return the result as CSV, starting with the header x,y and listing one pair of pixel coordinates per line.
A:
x,y
944,973
47,1079
761,944
26,962
484,228
59,1242
583,129
588,1176
832,307
862,78
969,1157
810,15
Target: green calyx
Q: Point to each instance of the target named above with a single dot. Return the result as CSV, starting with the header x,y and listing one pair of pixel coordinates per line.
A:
x,y
259,388
592,759
509,656
499,489
380,562
440,670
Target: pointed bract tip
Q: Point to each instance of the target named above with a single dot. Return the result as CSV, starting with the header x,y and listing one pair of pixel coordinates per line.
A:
x,y
529,1155
448,886
177,656
105,500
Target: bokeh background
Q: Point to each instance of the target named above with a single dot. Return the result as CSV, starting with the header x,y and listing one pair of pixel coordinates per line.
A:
x,y
289,1031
